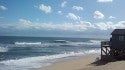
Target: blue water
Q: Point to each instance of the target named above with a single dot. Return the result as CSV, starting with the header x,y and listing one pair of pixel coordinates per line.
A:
x,y
24,53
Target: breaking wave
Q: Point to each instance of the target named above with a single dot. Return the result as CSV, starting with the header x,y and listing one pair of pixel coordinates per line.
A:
x,y
3,49
60,43
90,42
36,62
27,43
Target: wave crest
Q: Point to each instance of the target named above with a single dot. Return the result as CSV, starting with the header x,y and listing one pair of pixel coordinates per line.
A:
x,y
27,43
60,43
36,62
3,49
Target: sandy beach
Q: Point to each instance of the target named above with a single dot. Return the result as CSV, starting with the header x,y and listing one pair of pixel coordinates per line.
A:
x,y
73,64
86,63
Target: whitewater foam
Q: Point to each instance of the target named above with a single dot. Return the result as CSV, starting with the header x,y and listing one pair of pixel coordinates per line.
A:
x,y
3,49
70,43
36,62
27,43
95,41
90,42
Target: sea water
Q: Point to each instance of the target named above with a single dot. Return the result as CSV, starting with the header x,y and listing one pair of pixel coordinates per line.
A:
x,y
25,53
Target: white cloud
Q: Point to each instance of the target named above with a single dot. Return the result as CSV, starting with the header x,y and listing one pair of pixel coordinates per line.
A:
x,y
78,8
104,1
24,21
98,15
3,7
110,25
63,4
76,26
59,12
23,24
72,16
105,26
28,25
120,25
85,25
44,8
111,17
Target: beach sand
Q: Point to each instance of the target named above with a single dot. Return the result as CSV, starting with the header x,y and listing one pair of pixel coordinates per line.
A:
x,y
86,63
73,64
117,65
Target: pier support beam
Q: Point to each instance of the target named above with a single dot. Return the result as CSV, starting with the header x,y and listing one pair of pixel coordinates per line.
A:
x,y
105,50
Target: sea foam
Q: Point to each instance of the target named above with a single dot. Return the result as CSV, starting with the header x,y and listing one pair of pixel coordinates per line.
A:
x,y
66,43
27,43
41,61
3,49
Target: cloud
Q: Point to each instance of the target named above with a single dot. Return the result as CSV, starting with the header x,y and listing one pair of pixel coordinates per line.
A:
x,y
79,26
104,1
3,7
59,12
110,25
78,8
72,16
86,25
63,4
24,24
105,26
120,25
98,15
44,8
111,17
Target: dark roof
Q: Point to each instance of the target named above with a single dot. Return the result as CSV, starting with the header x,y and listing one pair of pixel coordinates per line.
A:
x,y
118,32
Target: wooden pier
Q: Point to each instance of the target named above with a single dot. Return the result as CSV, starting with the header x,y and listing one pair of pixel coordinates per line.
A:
x,y
115,48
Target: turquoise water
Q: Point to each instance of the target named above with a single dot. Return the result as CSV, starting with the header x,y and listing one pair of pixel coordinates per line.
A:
x,y
24,53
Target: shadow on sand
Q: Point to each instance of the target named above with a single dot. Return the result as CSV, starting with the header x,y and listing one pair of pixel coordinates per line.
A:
x,y
100,62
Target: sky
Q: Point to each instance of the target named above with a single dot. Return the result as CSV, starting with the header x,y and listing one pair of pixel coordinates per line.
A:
x,y
61,18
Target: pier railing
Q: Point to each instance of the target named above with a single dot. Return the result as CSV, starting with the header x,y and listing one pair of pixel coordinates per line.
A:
x,y
105,44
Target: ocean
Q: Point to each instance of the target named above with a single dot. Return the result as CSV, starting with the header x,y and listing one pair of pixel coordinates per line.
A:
x,y
26,53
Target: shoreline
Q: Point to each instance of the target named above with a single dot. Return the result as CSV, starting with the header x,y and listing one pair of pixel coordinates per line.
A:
x,y
72,63
85,63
